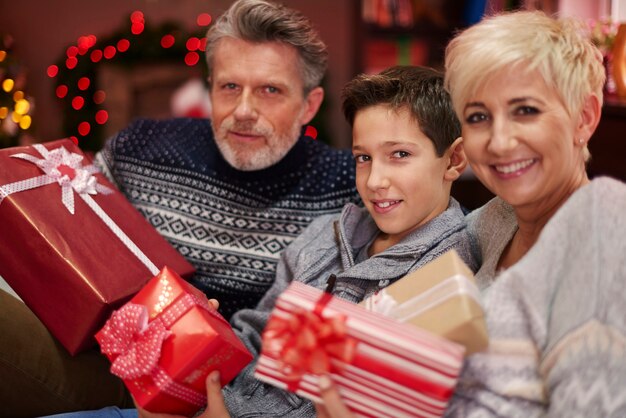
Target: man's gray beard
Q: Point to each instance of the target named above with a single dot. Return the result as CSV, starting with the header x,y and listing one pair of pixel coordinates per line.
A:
x,y
264,157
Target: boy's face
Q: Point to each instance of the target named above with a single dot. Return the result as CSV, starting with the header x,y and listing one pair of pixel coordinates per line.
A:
x,y
398,174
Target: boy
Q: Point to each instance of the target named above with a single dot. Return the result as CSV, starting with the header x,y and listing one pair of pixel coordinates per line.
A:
x,y
408,152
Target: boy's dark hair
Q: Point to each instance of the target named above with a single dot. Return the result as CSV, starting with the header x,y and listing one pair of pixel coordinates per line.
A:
x,y
418,89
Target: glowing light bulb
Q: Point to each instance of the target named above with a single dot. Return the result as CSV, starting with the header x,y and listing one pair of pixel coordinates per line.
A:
x,y
102,116
99,96
22,107
7,84
192,58
84,128
25,122
83,83
52,71
4,112
167,41
203,19
61,91
78,102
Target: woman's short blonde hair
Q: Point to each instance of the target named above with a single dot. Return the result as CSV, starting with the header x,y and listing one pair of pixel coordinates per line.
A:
x,y
557,48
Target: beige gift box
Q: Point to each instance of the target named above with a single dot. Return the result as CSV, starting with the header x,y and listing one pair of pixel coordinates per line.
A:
x,y
441,297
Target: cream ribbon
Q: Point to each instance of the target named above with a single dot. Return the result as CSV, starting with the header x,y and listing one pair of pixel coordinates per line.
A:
x,y
457,285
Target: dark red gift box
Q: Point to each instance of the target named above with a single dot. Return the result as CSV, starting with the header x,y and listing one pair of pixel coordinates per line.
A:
x,y
72,247
164,343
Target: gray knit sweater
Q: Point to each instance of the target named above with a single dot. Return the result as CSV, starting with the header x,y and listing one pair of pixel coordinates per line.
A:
x,y
311,258
557,318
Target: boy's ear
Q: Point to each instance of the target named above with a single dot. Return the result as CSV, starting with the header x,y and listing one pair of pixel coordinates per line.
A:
x,y
457,161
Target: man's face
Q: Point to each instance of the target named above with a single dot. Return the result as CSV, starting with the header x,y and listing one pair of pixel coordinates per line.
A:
x,y
258,105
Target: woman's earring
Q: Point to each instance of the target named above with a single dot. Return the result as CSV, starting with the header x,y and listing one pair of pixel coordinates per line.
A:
x,y
581,141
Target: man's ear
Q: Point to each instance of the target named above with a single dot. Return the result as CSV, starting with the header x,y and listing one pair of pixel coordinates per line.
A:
x,y
588,119
457,161
209,88
312,103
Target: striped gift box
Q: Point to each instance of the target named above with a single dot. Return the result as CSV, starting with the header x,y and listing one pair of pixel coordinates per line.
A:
x,y
391,369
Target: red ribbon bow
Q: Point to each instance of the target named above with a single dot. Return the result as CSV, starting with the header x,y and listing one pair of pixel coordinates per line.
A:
x,y
306,341
136,342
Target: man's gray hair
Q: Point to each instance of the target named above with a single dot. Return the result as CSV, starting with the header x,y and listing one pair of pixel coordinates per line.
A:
x,y
264,21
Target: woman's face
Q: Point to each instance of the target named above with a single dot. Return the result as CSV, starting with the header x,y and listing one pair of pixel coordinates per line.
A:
x,y
521,142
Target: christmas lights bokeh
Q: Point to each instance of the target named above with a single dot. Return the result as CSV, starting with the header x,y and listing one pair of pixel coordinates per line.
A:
x,y
15,106
75,73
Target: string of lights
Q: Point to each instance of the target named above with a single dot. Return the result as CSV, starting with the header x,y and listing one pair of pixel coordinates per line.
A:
x,y
75,72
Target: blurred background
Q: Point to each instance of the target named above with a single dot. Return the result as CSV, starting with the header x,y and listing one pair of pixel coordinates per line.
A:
x,y
85,69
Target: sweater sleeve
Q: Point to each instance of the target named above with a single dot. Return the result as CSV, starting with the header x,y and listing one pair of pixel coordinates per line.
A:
x,y
246,396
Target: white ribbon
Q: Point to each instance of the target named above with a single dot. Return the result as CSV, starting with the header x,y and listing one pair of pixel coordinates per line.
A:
x,y
457,285
66,169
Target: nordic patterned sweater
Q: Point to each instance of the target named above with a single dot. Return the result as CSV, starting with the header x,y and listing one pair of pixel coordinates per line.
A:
x,y
557,318
230,224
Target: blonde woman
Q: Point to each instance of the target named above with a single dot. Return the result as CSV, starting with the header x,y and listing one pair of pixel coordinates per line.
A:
x,y
528,91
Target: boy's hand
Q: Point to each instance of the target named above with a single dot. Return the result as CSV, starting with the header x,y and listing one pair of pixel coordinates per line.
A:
x,y
215,402
333,406
214,303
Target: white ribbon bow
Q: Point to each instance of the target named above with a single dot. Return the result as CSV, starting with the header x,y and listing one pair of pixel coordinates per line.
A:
x,y
63,167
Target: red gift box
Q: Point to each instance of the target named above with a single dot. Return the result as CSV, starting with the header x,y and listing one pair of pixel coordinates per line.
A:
x,y
164,343
72,247
383,368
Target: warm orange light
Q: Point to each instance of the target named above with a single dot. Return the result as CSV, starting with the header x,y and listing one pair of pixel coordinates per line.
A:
x,y
7,84
25,122
22,107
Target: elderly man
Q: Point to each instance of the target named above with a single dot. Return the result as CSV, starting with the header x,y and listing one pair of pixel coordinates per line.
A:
x,y
230,194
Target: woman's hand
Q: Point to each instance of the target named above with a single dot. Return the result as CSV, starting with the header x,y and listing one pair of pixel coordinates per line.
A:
x,y
333,406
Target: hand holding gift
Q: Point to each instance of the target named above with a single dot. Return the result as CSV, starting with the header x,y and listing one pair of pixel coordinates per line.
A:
x,y
383,368
166,341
